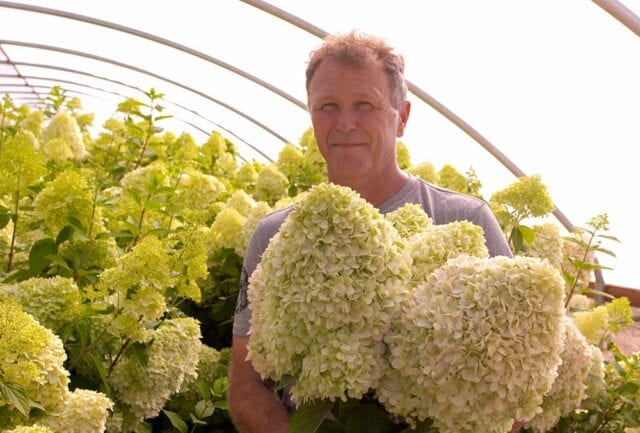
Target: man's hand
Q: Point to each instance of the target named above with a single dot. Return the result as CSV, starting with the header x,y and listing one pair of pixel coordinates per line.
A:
x,y
253,405
517,425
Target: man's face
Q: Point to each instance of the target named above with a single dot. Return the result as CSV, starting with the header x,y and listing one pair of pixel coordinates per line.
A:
x,y
354,120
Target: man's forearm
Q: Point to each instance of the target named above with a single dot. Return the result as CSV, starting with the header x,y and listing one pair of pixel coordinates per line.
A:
x,y
257,409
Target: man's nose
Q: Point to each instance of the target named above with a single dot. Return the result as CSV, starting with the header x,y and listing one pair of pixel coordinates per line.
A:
x,y
346,120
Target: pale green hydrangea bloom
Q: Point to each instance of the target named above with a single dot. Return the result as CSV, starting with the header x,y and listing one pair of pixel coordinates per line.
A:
x,y
147,268
325,293
173,357
480,346
290,161
315,167
260,210
188,262
141,179
436,244
212,364
593,324
21,166
619,311
547,244
225,230
271,184
62,138
225,165
285,202
27,136
579,302
242,202
67,195
213,149
450,178
32,358
53,302
195,193
525,198
426,171
569,388
595,379
246,176
409,220
403,158
32,122
83,411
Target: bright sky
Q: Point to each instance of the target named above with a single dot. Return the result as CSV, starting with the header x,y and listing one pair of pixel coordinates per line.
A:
x,y
552,84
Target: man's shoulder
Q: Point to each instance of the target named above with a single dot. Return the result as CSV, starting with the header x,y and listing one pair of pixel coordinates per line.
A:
x,y
444,194
271,222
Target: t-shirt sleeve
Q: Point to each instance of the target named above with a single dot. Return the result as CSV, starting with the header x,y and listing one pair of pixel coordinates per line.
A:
x,y
494,238
242,316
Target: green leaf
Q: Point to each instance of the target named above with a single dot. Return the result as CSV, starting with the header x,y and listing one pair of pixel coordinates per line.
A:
x,y
4,219
58,260
38,254
152,205
516,238
104,376
176,421
528,235
162,117
76,224
604,251
139,352
309,416
285,382
368,418
219,386
64,235
611,238
203,390
17,397
156,129
588,266
599,292
221,404
204,409
134,195
628,388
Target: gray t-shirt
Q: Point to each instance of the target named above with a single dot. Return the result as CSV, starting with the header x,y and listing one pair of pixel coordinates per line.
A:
x,y
442,205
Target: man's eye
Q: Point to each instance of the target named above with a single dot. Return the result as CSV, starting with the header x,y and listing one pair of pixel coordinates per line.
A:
x,y
364,105
328,106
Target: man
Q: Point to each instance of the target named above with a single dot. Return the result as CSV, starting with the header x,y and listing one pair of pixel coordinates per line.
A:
x,y
357,101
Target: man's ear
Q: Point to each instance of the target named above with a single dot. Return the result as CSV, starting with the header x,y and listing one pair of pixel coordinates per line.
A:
x,y
404,117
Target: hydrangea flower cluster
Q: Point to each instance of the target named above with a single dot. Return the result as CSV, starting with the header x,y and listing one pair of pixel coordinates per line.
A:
x,y
31,358
409,220
260,210
188,263
212,364
547,244
29,429
242,202
225,230
290,161
325,293
53,302
569,388
83,411
195,193
67,195
62,138
525,198
403,157
173,357
598,323
425,171
431,248
271,184
480,345
20,165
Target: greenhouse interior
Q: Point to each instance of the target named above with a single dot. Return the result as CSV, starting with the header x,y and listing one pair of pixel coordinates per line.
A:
x,y
142,144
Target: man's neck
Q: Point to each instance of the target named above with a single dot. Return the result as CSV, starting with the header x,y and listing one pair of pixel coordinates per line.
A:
x,y
376,191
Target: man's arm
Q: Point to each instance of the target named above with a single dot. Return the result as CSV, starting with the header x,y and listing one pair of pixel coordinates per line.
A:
x,y
253,405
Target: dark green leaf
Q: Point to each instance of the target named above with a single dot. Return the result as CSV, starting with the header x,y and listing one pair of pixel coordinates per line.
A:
x,y
104,376
221,404
628,388
368,418
516,238
38,254
64,235
20,275
176,421
203,390
57,260
330,426
309,416
76,224
4,219
139,352
219,386
588,266
285,382
162,117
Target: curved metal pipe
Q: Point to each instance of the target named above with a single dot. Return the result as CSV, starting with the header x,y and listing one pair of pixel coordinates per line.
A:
x,y
145,72
76,71
622,13
154,38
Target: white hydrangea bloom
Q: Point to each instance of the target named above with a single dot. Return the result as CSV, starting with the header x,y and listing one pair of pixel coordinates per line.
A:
x,y
595,379
62,138
409,219
580,302
325,293
54,301
242,202
480,346
432,247
547,244
173,357
569,388
225,230
195,193
83,411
